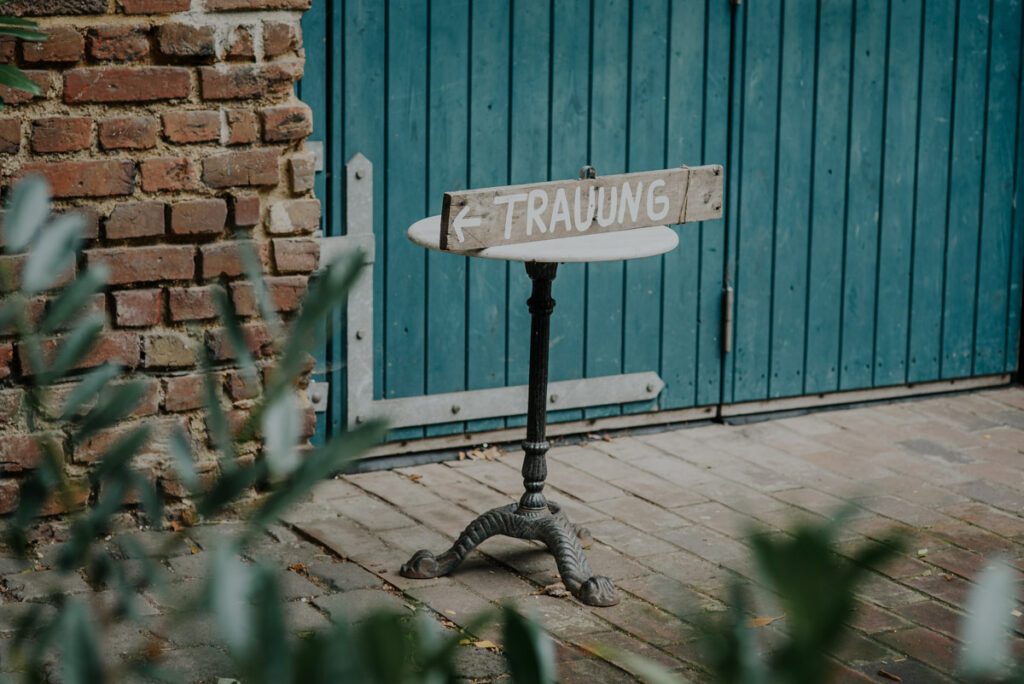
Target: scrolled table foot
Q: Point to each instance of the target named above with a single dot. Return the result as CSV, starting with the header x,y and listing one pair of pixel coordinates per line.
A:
x,y
422,565
598,591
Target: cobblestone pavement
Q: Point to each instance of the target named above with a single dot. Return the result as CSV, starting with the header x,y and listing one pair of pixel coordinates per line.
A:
x,y
668,512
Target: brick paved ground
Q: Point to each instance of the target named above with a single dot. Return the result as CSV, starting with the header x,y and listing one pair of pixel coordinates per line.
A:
x,y
668,512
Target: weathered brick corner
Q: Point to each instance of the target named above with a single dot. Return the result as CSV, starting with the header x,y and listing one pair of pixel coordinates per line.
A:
x,y
171,124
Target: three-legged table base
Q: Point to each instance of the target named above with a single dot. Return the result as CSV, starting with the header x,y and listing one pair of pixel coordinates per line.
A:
x,y
549,526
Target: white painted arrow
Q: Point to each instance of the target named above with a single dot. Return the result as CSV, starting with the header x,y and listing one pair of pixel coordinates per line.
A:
x,y
463,221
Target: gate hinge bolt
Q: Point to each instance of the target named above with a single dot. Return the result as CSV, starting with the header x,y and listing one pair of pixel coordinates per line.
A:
x,y
455,409
554,398
360,334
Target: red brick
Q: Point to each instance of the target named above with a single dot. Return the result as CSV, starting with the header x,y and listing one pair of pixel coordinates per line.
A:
x,y
184,393
245,210
90,214
191,303
15,97
296,255
126,84
85,178
8,44
256,336
122,43
137,308
8,496
243,126
925,645
22,452
286,293
257,4
61,134
94,448
294,216
199,217
135,219
155,6
15,264
115,347
285,123
302,168
241,44
11,401
6,359
248,167
145,264
250,80
225,258
185,40
45,8
129,132
241,385
10,136
169,174
189,127
169,350
279,37
65,44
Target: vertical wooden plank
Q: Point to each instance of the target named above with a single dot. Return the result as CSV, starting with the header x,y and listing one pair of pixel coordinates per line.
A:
x,y
365,73
824,294
404,263
528,157
997,199
488,167
609,97
447,141
733,170
937,60
1016,279
864,174
646,150
897,214
684,144
569,114
718,28
792,212
756,207
965,188
312,91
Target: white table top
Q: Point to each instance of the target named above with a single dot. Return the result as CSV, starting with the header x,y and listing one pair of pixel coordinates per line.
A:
x,y
614,246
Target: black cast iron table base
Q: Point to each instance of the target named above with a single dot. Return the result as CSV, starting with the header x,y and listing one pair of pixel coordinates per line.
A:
x,y
533,517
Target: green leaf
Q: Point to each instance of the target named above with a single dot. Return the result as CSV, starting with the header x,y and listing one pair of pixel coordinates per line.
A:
x,y
986,628
115,460
270,659
12,77
318,465
81,651
114,404
530,653
236,336
149,498
52,254
254,274
25,34
74,347
72,299
89,388
17,21
229,586
184,463
282,428
26,213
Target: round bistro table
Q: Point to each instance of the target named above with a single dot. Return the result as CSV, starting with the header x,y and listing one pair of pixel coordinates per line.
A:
x,y
534,517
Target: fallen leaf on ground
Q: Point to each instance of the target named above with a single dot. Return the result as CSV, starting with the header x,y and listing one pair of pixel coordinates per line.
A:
x,y
763,621
414,476
921,553
890,675
296,567
557,590
485,644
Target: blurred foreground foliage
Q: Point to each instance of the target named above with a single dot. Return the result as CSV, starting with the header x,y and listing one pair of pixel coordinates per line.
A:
x,y
244,598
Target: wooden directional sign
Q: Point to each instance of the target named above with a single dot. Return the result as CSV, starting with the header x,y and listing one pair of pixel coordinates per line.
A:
x,y
473,219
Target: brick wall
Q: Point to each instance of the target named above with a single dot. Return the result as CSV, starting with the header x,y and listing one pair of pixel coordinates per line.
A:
x,y
171,124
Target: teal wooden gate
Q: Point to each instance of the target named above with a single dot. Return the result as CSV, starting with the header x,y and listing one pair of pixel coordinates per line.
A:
x,y
871,151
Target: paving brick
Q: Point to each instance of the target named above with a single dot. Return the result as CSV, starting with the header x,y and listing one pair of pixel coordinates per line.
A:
x,y
394,488
614,645
371,513
987,517
356,605
935,616
925,645
629,540
641,514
